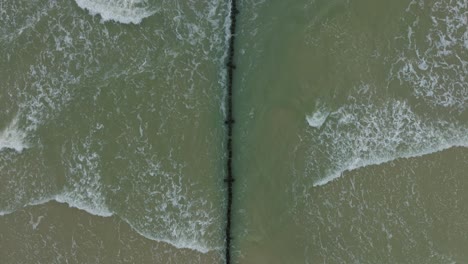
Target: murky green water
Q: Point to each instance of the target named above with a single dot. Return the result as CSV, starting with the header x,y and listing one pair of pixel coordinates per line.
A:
x,y
349,143
340,105
115,119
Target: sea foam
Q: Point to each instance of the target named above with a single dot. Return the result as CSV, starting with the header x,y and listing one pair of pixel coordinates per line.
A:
x,y
5,212
102,211
84,188
91,208
359,135
435,69
179,243
122,11
436,66
317,118
12,137
63,198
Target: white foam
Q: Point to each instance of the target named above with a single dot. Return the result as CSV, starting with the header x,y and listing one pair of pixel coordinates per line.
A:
x,y
99,210
35,224
359,163
174,213
317,119
84,189
5,212
65,198
122,11
12,137
361,135
180,243
436,67
92,208
47,93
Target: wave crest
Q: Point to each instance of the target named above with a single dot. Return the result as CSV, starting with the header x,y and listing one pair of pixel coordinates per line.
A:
x,y
361,135
122,11
12,137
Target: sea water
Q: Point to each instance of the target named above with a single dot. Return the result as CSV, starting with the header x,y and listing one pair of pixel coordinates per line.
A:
x,y
109,131
352,128
350,141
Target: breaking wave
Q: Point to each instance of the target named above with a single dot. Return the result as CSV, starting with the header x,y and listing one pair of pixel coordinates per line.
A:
x,y
319,117
180,243
12,137
122,11
432,63
358,135
103,211
68,61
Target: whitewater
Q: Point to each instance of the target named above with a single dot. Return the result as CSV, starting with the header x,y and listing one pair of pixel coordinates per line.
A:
x,y
54,89
373,130
121,11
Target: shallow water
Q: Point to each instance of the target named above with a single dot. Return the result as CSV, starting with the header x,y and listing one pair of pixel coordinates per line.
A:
x,y
111,107
350,141
352,132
